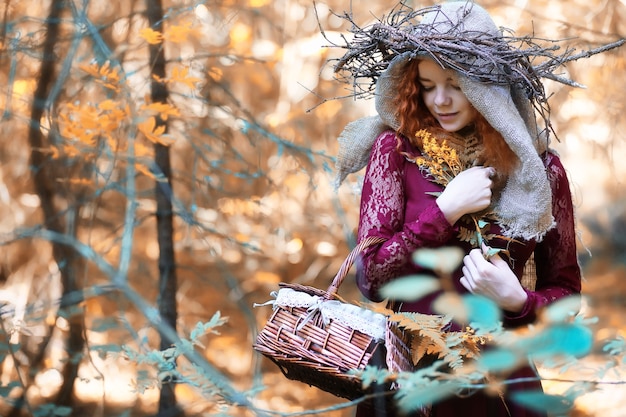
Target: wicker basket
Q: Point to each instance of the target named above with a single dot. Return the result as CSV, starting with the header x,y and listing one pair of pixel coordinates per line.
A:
x,y
311,347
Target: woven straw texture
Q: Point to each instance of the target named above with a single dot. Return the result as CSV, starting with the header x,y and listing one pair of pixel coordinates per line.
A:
x,y
322,355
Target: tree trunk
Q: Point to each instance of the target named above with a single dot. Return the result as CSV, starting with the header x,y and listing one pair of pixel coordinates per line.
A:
x,y
44,177
164,214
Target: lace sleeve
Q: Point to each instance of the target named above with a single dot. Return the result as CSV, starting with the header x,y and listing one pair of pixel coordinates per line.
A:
x,y
558,271
384,213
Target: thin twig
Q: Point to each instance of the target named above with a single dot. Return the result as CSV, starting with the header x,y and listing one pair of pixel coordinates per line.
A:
x,y
485,57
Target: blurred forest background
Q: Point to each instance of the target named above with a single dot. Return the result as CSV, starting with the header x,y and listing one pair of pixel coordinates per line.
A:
x,y
163,162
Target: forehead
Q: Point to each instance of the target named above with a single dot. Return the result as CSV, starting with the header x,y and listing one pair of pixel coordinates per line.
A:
x,y
431,70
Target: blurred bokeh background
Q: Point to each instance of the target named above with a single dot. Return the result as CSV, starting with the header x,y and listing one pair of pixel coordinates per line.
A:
x,y
252,147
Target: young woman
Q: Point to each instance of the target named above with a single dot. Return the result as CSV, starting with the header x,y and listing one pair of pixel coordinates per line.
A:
x,y
510,173
398,204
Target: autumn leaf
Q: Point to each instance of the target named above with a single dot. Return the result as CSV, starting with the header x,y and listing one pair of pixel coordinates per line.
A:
x,y
153,133
105,69
151,36
179,33
215,73
71,151
427,331
164,110
91,69
104,75
80,124
112,83
148,173
80,181
181,75
116,145
143,151
420,347
159,79
107,105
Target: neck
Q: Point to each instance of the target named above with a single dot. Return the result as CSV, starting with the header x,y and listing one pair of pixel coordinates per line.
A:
x,y
469,130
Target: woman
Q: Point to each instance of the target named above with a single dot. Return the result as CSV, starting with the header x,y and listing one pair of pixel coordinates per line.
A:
x,y
511,176
398,204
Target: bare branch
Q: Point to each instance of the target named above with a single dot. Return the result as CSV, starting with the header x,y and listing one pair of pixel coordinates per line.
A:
x,y
485,57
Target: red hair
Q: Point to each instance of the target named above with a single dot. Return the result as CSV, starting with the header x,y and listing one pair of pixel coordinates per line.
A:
x,y
413,116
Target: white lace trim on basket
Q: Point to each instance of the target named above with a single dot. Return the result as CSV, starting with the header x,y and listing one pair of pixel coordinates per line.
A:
x,y
357,318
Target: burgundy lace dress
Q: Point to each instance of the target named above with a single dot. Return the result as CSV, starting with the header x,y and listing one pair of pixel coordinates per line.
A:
x,y
395,205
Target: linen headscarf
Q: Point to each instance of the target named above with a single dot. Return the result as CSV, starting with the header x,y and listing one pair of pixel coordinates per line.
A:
x,y
524,207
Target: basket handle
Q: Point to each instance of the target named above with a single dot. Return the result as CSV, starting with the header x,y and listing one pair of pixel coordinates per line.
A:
x,y
347,263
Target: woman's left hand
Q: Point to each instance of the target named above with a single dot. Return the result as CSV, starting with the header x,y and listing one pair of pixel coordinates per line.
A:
x,y
494,279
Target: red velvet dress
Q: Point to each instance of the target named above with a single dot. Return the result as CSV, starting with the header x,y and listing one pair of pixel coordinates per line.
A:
x,y
395,205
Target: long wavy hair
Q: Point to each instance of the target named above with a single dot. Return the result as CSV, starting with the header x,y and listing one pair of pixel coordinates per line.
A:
x,y
413,115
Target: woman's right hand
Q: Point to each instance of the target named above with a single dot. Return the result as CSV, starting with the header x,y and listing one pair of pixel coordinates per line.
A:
x,y
468,192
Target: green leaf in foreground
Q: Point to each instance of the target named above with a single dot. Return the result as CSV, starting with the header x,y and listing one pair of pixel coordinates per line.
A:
x,y
498,360
410,288
479,312
563,309
416,397
444,260
565,339
557,405
615,347
483,313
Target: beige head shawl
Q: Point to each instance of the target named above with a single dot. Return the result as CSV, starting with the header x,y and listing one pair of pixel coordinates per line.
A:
x,y
524,207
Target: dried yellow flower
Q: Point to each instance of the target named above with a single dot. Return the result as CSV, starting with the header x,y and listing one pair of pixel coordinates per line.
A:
x,y
440,161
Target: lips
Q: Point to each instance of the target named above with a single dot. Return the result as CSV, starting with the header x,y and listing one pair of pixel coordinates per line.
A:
x,y
446,116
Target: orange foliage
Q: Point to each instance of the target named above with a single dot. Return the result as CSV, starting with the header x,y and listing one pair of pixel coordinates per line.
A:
x,y
151,36
104,75
179,75
154,133
268,188
164,110
180,33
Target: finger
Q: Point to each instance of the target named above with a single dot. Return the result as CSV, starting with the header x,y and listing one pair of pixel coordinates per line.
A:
x,y
476,257
497,261
485,250
470,272
492,255
466,272
465,282
467,261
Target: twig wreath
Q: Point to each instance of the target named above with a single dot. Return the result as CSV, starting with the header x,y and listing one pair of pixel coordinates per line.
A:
x,y
506,59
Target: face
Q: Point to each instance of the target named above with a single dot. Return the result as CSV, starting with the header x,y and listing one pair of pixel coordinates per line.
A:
x,y
443,96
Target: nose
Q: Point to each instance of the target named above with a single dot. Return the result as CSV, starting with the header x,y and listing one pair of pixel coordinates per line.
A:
x,y
442,97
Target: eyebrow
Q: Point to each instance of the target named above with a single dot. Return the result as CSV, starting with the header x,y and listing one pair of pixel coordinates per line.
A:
x,y
422,79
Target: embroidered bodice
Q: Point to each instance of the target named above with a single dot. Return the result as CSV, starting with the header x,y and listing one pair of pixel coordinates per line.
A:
x,y
397,204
